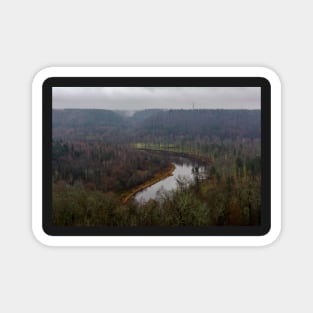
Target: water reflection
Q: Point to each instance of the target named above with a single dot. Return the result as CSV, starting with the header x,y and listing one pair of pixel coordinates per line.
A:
x,y
185,170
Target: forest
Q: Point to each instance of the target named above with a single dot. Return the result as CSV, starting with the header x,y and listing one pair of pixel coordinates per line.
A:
x,y
102,159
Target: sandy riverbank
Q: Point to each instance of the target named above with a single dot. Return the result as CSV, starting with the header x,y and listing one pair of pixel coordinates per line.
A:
x,y
155,179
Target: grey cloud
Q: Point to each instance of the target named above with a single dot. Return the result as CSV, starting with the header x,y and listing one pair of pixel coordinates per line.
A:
x,y
139,98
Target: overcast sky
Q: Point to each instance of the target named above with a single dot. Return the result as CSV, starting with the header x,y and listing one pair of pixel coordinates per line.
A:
x,y
140,98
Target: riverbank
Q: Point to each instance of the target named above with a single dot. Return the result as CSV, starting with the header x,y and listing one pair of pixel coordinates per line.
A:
x,y
155,179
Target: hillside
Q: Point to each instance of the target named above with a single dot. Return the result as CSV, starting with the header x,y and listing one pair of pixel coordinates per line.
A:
x,y
86,118
159,123
220,123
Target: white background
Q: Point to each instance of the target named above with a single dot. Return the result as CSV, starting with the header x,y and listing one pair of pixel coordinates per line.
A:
x,y
37,34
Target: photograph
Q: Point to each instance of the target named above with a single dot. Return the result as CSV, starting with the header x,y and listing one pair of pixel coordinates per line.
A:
x,y
156,156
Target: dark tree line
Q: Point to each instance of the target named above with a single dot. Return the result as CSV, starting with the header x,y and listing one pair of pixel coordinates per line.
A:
x,y
104,167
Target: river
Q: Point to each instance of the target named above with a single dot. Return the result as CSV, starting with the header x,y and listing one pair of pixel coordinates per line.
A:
x,y
182,170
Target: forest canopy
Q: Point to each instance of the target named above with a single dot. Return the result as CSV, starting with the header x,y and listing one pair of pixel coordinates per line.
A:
x,y
102,157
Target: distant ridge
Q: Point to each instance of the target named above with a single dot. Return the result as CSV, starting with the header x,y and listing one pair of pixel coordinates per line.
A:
x,y
158,122
86,117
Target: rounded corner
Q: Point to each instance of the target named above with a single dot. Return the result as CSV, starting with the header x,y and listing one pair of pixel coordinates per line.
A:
x,y
269,76
42,76
41,236
271,236
266,229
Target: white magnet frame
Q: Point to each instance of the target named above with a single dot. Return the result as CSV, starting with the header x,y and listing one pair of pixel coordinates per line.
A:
x,y
156,240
